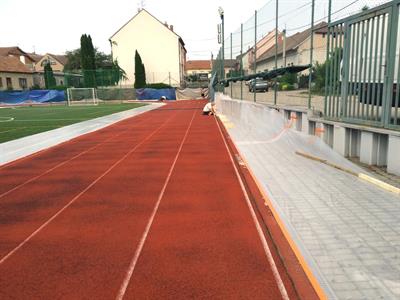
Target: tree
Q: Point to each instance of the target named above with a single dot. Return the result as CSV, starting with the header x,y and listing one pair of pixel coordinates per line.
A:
x,y
102,60
140,73
88,61
49,79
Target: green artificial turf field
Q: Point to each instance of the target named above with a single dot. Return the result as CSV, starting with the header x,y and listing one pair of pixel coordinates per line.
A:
x,y
17,122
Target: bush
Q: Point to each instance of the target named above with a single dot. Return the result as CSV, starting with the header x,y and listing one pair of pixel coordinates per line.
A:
x,y
59,88
287,87
158,86
35,87
303,81
289,78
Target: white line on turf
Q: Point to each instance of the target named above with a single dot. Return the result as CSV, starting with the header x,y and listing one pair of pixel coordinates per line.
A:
x,y
264,242
33,234
6,119
139,248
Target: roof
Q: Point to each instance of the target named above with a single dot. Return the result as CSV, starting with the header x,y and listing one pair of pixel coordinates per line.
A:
x,y
230,63
144,10
35,57
15,50
5,51
60,58
292,42
12,64
198,65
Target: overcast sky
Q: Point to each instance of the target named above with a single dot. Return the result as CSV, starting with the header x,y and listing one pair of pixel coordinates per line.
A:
x,y
55,26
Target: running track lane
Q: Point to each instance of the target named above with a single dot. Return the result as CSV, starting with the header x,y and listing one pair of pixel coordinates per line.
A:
x,y
202,241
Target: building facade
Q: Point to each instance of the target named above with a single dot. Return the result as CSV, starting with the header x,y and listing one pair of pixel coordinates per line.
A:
x,y
296,50
162,51
14,75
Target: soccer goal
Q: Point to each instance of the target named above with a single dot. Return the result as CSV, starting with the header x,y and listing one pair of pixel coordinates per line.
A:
x,y
82,96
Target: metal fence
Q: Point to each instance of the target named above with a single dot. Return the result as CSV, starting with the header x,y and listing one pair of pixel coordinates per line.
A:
x,y
348,80
363,71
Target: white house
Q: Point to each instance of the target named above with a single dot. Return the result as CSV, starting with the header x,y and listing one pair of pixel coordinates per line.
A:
x,y
162,51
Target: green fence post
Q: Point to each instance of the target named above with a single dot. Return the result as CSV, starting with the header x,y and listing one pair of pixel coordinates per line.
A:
x,y
345,68
241,60
327,64
311,53
391,58
276,52
255,56
231,83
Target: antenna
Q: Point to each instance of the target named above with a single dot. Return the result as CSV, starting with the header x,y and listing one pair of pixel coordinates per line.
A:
x,y
141,4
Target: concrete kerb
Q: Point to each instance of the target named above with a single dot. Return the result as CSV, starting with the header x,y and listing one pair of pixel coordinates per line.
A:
x,y
16,149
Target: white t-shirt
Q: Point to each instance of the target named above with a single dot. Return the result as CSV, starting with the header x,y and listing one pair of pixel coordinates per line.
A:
x,y
207,107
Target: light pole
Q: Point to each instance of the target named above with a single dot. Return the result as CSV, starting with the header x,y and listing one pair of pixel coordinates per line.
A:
x,y
221,14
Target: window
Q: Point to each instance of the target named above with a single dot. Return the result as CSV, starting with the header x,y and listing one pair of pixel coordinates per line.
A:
x,y
48,61
23,83
1,82
9,83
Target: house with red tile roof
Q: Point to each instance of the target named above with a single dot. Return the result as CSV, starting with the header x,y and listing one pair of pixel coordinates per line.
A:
x,y
14,74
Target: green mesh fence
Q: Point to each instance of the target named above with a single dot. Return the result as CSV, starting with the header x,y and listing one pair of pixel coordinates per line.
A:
x,y
93,78
122,94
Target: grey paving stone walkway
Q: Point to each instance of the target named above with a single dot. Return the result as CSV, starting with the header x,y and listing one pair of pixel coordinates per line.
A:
x,y
347,230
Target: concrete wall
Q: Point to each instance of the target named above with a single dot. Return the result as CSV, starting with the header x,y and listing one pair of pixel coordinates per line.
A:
x,y
158,46
15,80
373,146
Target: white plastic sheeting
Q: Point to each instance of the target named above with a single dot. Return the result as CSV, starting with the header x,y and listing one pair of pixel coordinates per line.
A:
x,y
191,93
335,219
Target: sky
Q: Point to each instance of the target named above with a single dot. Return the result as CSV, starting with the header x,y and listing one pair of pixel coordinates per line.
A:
x,y
54,26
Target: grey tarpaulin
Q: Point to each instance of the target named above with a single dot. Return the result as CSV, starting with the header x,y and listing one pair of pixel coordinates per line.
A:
x,y
191,93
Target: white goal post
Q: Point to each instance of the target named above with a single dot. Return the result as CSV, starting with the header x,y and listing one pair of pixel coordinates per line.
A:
x,y
82,96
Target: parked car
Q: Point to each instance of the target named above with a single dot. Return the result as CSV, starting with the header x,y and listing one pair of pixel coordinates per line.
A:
x,y
258,85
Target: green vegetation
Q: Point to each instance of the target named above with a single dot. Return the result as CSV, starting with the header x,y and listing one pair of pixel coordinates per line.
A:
x,y
88,61
140,72
49,79
23,121
158,86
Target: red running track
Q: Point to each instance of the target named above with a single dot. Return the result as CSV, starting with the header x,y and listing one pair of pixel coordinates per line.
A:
x,y
149,208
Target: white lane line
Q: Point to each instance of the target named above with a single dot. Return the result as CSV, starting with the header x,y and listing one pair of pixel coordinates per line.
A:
x,y
268,253
139,248
64,162
6,119
33,234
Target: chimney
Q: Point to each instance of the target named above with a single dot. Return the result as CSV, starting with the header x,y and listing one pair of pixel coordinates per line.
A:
x,y
166,24
171,27
22,59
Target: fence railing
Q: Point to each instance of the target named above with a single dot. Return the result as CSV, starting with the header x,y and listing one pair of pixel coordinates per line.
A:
x,y
363,73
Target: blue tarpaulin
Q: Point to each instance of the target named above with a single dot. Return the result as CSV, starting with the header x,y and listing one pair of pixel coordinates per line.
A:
x,y
35,96
155,94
